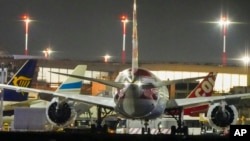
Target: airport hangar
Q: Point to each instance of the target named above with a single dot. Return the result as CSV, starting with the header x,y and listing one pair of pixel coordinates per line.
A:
x,y
228,76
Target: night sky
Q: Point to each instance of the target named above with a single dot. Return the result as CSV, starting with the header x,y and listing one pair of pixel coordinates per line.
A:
x,y
168,30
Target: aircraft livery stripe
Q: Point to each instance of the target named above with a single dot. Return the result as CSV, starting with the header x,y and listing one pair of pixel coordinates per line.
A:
x,y
72,85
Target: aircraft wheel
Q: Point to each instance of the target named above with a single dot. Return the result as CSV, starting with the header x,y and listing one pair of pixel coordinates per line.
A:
x,y
149,131
185,130
105,128
93,127
142,130
173,130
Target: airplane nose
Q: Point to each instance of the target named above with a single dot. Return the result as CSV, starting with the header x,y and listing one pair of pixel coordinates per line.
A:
x,y
133,92
130,100
134,105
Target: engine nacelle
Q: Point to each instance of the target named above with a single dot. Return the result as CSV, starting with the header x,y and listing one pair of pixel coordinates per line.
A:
x,y
60,113
220,118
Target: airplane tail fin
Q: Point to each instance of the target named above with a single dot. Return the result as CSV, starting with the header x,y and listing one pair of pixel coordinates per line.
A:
x,y
71,84
22,78
205,87
134,42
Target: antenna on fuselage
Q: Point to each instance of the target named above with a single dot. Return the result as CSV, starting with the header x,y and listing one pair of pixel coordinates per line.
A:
x,y
134,43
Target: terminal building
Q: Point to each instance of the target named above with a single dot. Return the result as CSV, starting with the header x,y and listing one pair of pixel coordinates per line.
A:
x,y
228,77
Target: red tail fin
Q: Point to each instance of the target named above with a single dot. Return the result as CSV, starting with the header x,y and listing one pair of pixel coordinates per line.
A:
x,y
205,89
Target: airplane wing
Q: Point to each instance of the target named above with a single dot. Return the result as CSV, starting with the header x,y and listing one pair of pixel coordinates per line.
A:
x,y
105,82
109,102
26,103
102,101
121,85
234,98
169,82
182,80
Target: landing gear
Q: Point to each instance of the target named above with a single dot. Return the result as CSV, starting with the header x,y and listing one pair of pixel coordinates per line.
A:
x,y
177,115
179,131
145,129
99,127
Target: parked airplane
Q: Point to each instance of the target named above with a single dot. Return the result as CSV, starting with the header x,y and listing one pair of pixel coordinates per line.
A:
x,y
141,95
203,89
69,86
22,78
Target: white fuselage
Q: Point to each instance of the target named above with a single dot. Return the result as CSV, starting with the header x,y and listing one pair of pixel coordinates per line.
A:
x,y
140,98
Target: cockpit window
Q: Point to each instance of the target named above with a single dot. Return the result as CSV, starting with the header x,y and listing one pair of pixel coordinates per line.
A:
x,y
151,93
147,80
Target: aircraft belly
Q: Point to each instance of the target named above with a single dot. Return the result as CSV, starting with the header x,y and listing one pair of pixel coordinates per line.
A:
x,y
136,108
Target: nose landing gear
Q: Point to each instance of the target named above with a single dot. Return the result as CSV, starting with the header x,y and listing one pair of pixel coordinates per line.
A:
x,y
145,129
177,114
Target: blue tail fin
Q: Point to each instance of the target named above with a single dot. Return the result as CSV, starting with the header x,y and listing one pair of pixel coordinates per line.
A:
x,y
22,78
73,85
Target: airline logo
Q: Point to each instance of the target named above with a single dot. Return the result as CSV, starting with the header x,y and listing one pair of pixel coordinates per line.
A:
x,y
21,81
22,78
206,87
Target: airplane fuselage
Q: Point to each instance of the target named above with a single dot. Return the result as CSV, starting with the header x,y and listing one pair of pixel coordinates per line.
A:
x,y
140,98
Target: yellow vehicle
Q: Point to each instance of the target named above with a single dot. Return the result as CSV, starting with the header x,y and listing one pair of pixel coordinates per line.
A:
x,y
6,126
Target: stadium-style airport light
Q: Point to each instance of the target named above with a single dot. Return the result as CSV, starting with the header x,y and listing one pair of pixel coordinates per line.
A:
x,y
246,59
27,20
106,58
224,22
47,52
124,20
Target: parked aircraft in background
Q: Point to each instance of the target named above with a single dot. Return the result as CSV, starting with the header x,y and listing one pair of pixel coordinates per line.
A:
x,y
22,78
69,86
141,95
203,89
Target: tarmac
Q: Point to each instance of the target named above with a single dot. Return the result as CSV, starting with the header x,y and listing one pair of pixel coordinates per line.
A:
x,y
89,136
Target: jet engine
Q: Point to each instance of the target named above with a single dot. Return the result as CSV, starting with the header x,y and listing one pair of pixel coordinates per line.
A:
x,y
60,113
222,115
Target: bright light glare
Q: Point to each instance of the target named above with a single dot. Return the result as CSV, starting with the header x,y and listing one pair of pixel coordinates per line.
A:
x,y
245,59
106,58
124,19
139,83
224,21
26,19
